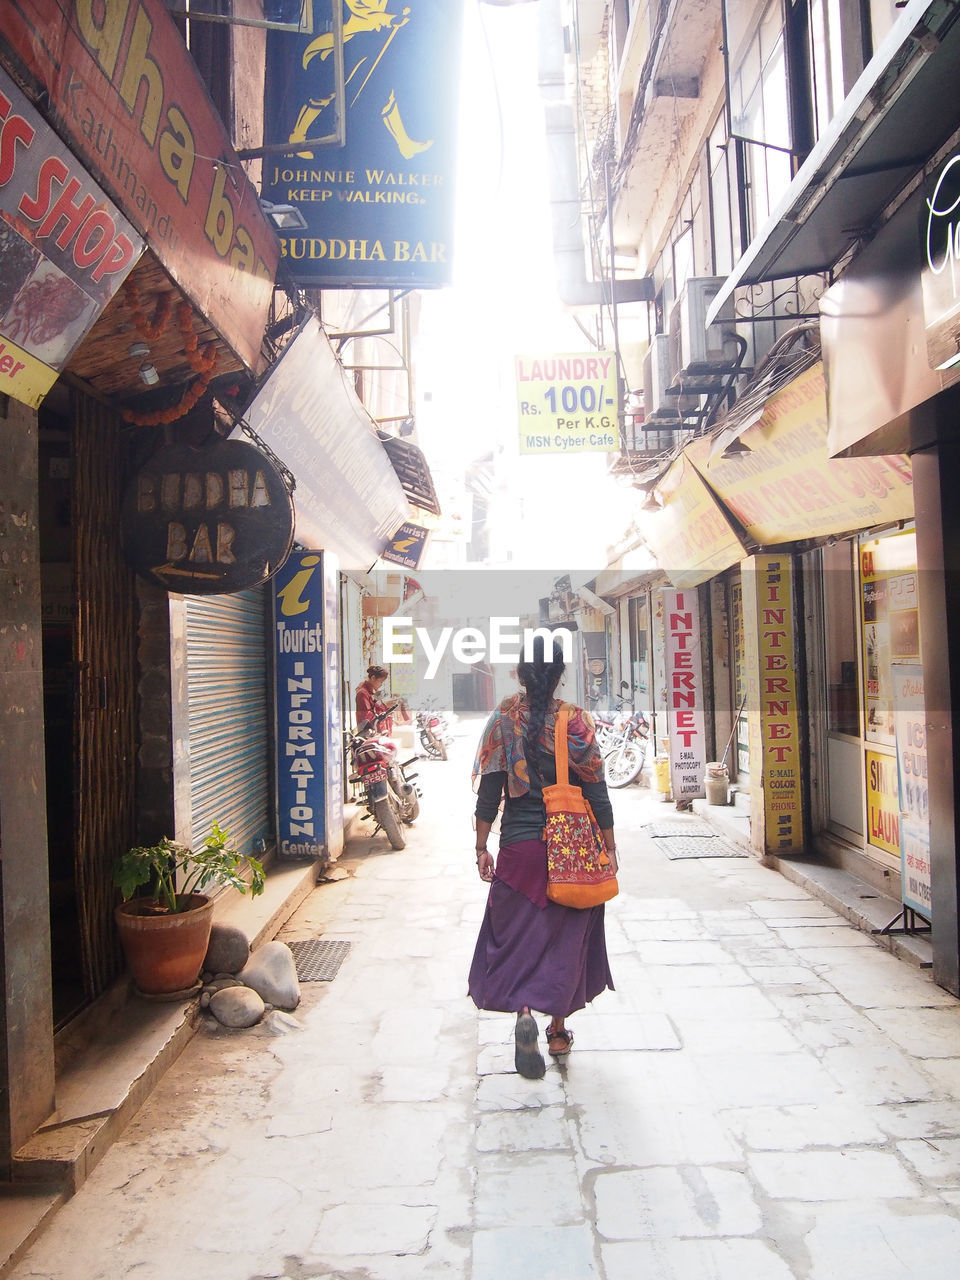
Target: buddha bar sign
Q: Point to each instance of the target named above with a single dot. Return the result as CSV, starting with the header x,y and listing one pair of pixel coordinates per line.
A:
x,y
207,521
376,209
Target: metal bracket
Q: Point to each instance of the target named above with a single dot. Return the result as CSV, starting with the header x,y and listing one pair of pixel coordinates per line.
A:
x,y
909,917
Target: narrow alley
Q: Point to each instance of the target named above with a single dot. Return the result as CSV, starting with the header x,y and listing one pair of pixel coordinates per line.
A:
x,y
768,1095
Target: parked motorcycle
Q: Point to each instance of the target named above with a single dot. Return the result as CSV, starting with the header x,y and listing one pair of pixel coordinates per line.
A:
x,y
389,793
622,740
433,733
605,724
626,750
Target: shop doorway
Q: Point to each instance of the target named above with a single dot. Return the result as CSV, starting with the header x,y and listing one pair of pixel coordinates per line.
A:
x,y
88,637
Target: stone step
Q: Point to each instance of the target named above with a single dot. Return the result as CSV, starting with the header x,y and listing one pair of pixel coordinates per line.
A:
x,y
111,1058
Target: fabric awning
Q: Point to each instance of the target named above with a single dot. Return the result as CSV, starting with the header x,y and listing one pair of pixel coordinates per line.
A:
x,y
348,498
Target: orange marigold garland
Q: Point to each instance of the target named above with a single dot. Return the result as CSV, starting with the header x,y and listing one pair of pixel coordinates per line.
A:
x,y
202,362
147,328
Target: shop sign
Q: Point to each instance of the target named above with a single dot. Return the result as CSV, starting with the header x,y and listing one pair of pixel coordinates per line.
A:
x,y
65,249
785,487
690,536
883,803
568,403
909,710
774,721
122,88
379,209
207,521
406,547
890,606
684,691
940,268
309,740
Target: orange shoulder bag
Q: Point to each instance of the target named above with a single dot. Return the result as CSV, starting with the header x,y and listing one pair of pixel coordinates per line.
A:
x,y
579,872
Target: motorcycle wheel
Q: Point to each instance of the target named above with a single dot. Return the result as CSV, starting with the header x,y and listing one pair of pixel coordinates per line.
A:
x,y
623,764
385,815
410,808
441,749
430,745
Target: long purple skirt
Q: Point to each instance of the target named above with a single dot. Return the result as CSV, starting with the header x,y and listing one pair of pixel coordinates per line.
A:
x,y
531,951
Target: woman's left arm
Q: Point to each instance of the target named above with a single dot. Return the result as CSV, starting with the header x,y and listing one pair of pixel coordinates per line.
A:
x,y
488,803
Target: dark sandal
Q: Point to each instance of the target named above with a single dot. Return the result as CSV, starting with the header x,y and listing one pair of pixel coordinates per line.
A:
x,y
527,1057
559,1042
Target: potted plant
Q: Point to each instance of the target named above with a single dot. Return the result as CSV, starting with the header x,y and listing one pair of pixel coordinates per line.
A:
x,y
165,933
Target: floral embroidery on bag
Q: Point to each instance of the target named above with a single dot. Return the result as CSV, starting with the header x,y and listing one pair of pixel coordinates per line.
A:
x,y
575,852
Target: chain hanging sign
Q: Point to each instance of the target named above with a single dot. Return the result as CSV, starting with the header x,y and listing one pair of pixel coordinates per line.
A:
x,y
208,521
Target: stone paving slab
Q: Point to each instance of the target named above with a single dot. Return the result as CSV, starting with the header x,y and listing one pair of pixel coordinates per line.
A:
x,y
527,1252
768,1095
821,1124
664,1203
689,1259
832,1175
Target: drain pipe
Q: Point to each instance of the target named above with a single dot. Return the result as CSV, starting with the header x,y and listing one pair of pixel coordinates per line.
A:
x,y
566,215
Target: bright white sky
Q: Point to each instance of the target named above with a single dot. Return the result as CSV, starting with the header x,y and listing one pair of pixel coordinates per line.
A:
x,y
561,511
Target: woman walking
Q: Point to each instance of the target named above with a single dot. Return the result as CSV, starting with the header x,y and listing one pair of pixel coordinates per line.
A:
x,y
533,953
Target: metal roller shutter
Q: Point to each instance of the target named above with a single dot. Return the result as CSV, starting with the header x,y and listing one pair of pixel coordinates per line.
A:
x,y
227,699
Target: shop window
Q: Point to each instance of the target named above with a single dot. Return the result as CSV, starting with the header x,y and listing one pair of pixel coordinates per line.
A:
x,y
840,640
787,77
725,211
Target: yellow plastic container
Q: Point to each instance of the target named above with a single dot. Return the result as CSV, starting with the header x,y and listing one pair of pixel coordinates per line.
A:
x,y
661,774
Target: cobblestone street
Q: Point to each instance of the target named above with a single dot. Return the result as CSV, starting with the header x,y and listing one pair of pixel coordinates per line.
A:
x,y
767,1095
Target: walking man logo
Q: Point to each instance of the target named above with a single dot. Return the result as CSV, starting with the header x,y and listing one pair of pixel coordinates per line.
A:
x,y
367,20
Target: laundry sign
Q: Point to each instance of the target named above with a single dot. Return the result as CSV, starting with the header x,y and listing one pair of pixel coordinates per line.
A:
x,y
568,403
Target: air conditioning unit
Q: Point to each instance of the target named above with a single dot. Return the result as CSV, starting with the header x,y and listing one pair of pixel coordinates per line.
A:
x,y
657,376
664,411
697,347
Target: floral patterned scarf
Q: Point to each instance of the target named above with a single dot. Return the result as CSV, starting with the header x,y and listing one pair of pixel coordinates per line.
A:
x,y
501,744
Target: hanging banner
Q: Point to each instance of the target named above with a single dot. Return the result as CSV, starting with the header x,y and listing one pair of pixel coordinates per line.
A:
x,y
309,744
683,682
784,487
65,249
207,521
379,210
909,713
690,535
773,719
568,403
121,87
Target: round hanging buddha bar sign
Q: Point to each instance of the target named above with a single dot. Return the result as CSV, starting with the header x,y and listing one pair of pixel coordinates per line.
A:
x,y
209,520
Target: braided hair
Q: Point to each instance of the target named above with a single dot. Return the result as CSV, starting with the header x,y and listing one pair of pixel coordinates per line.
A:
x,y
539,678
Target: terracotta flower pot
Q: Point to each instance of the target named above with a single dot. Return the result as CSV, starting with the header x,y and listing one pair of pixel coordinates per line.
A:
x,y
164,950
